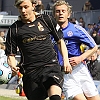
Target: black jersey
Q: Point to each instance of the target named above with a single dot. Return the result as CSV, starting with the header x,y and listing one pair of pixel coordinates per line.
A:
x,y
34,41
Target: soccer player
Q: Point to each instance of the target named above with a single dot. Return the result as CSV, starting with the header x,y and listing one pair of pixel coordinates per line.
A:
x,y
42,76
78,85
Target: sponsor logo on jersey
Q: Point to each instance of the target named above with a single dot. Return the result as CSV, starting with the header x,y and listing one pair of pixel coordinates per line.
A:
x,y
39,38
70,33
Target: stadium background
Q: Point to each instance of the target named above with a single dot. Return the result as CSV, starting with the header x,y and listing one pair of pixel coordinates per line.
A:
x,y
5,5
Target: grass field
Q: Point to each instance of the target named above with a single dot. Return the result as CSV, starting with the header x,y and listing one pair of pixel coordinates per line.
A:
x,y
8,98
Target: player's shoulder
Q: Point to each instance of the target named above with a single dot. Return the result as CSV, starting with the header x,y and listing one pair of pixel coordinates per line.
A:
x,y
16,23
48,20
78,27
72,26
43,16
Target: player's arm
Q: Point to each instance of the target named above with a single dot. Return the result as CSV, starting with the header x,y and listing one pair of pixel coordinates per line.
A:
x,y
88,53
78,59
12,63
86,39
58,37
11,47
64,52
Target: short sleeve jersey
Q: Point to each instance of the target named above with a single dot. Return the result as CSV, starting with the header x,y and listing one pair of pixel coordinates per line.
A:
x,y
34,41
74,35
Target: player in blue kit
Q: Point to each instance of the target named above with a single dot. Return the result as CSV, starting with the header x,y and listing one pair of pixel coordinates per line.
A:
x,y
78,85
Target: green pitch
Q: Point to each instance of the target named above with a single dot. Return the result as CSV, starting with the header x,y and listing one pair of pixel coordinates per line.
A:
x,y
8,98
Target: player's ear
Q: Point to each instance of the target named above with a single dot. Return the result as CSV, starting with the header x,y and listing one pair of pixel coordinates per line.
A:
x,y
69,15
33,5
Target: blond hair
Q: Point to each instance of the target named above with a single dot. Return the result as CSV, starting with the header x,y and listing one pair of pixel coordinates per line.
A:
x,y
18,2
62,2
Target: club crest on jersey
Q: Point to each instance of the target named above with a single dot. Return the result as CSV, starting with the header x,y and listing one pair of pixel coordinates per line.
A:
x,y
70,33
40,27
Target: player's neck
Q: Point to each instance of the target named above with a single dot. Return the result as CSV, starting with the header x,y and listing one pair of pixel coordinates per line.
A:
x,y
31,19
63,25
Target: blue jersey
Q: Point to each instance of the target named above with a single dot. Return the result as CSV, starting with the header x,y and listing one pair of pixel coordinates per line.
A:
x,y
74,35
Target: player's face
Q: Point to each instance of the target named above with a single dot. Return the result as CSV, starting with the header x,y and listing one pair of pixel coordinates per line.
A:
x,y
26,10
94,57
61,14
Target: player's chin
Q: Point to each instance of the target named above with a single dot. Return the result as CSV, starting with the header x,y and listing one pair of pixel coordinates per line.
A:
x,y
61,21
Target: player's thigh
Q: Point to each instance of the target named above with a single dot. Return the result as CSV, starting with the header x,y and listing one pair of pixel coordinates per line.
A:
x,y
54,90
33,91
80,97
97,97
88,85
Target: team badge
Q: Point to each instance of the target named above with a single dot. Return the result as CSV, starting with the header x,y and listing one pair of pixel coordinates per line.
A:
x,y
40,27
70,33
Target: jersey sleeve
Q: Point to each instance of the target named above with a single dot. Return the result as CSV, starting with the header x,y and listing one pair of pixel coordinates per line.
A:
x,y
54,27
11,41
84,37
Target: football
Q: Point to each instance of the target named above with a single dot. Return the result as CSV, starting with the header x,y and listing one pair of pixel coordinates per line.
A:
x,y
5,73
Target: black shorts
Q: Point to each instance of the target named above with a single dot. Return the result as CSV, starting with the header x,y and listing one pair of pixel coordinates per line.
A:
x,y
37,83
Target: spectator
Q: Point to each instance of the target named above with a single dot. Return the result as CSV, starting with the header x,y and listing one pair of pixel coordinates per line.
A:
x,y
87,6
1,39
95,36
81,22
98,53
2,50
98,26
94,25
3,46
74,21
39,6
2,34
50,5
94,67
3,57
89,29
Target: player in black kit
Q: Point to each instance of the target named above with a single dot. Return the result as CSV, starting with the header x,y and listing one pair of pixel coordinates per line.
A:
x,y
42,76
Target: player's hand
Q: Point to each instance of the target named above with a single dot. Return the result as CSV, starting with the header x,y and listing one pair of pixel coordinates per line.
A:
x,y
75,60
15,70
67,68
